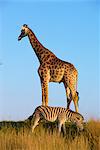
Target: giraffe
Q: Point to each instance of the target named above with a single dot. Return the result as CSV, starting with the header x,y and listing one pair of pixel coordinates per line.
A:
x,y
53,69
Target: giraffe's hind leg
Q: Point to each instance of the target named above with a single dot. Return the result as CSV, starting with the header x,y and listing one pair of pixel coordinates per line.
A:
x,y
68,94
75,96
71,93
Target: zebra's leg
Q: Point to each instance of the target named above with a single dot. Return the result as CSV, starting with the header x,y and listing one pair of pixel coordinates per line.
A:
x,y
64,128
59,126
61,120
36,120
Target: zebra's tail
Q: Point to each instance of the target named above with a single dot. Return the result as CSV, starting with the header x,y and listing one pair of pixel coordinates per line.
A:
x,y
30,118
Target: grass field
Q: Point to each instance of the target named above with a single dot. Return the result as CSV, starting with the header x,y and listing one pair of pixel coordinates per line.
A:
x,y
18,136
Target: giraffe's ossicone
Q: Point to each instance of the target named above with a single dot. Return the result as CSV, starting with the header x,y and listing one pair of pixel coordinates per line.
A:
x,y
52,69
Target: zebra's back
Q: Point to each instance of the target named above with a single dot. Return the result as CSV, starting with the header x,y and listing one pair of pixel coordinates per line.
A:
x,y
50,113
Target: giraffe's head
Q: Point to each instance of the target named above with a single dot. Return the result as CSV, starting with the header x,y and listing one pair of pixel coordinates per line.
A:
x,y
24,32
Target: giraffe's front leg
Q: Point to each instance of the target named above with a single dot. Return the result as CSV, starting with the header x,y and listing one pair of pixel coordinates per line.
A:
x,y
44,74
44,85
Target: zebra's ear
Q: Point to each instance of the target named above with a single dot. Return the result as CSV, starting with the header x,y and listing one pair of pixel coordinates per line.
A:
x,y
78,118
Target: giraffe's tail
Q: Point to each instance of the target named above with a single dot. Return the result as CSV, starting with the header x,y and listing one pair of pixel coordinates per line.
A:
x,y
76,80
77,93
77,98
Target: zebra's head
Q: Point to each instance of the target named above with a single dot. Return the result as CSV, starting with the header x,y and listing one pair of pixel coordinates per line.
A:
x,y
78,120
24,32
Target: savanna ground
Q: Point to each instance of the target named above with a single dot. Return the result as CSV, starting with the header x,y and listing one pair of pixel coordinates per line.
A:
x,y
18,136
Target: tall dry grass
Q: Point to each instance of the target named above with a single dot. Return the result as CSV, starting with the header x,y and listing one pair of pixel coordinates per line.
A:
x,y
18,136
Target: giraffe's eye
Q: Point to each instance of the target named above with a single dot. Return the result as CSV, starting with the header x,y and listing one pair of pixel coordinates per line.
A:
x,y
22,31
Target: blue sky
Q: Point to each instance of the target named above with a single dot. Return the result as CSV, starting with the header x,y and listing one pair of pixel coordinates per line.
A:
x,y
70,29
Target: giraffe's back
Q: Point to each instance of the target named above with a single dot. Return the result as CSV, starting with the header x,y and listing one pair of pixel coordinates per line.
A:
x,y
59,68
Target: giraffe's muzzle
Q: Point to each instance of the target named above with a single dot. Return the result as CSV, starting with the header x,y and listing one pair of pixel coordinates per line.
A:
x,y
21,35
19,38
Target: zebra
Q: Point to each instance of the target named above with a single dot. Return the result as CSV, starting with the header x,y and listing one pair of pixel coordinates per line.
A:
x,y
59,114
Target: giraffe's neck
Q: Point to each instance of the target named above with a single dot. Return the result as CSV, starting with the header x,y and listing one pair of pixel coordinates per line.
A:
x,y
39,49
